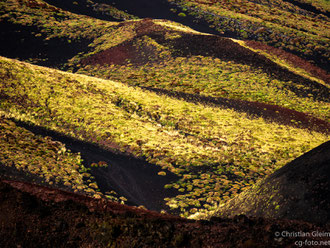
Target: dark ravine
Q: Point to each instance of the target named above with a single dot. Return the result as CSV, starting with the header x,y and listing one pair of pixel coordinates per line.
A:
x,y
130,177
82,8
308,7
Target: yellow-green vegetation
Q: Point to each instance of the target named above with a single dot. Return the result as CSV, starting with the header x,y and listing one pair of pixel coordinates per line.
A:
x,y
257,198
117,36
107,9
216,78
203,75
277,23
284,63
53,23
216,152
177,26
322,5
43,157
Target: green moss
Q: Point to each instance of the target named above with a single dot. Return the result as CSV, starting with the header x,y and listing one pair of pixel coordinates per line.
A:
x,y
181,14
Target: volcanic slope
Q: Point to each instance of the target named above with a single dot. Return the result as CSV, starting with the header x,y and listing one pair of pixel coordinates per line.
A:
x,y
42,160
227,114
215,152
118,177
130,46
305,33
163,55
294,26
298,190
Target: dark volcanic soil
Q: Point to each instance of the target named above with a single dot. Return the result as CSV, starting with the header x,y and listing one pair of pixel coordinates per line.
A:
x,y
156,9
36,216
82,7
292,59
308,7
161,9
20,42
135,179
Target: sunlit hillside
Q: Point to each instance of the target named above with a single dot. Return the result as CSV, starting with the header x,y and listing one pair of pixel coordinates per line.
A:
x,y
216,152
124,123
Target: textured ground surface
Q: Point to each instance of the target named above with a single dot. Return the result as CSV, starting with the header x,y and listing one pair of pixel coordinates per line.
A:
x,y
133,178
35,215
299,190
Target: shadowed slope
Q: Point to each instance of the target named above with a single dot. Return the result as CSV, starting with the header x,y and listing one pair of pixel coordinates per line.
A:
x,y
99,9
29,43
39,216
300,190
309,7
